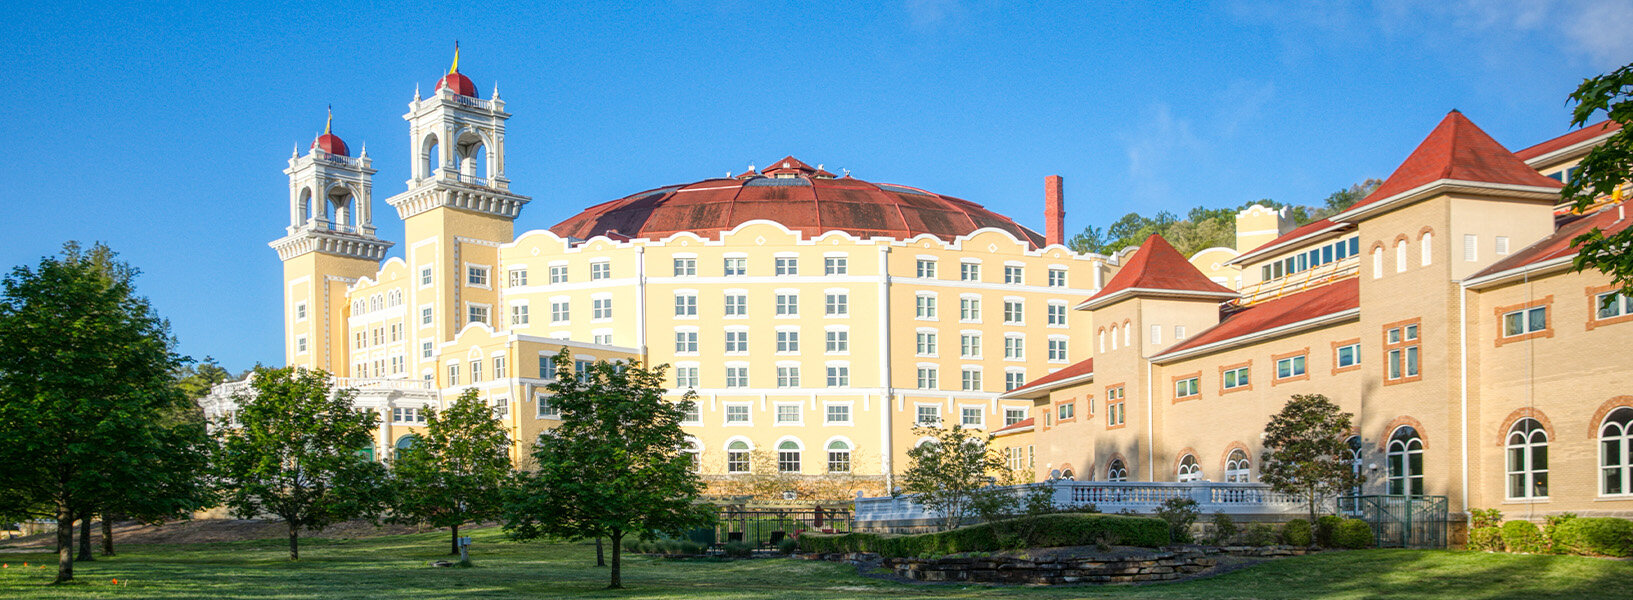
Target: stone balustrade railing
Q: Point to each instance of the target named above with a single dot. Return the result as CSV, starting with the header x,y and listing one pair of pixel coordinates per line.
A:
x,y
1106,496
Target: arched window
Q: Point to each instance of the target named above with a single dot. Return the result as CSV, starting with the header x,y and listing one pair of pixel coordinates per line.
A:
x,y
375,303
839,457
1116,471
788,457
367,452
1237,467
471,157
405,443
1102,340
1377,262
1405,459
1189,470
1527,460
1424,244
694,452
737,457
1128,335
1113,338
306,205
1354,444
1616,452
431,156
1068,475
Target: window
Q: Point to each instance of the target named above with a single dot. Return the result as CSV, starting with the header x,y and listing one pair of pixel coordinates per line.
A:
x,y
476,276
1425,243
453,375
1355,456
969,271
787,265
558,274
1188,387
685,267
1014,348
1238,467
1013,380
300,345
928,416
969,345
476,371
1610,305
1116,470
559,312
737,413
971,380
926,343
1013,416
839,342
736,267
600,270
499,367
1616,453
736,377
1527,460
1471,247
1377,262
690,412
518,277
836,304
1057,315
1188,469
1405,458
839,376
380,335
604,339
788,377
1057,350
1156,334
1065,411
1128,335
788,413
425,349
1057,278
300,311
1400,256
478,314
737,342
548,410
1179,332
686,342
600,308
926,269
787,341
1348,355
1014,275
1290,367
396,332
686,377
685,305
969,310
1522,322
425,316
1114,407
1236,378
518,314
924,307
1501,245
1014,312
737,456
1401,346
787,305
407,415
927,378
788,457
837,413
581,368
835,265
425,276
839,457
736,305
970,416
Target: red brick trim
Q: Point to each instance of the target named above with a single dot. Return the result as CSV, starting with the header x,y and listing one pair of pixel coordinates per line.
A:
x,y
1401,238
1547,332
1335,346
1604,411
1522,413
1277,358
1056,407
1174,397
1593,308
1064,467
1389,430
1426,229
1384,335
1376,246
1243,388
1224,458
1174,472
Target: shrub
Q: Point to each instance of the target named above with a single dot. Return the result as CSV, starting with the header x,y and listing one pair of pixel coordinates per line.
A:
x,y
1353,534
1325,528
1042,531
739,549
1260,534
1597,536
1296,533
1550,524
788,545
1522,536
1483,532
1180,513
1224,530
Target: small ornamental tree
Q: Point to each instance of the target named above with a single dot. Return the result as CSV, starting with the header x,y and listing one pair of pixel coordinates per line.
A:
x,y
1605,168
948,471
296,452
1307,451
458,470
615,467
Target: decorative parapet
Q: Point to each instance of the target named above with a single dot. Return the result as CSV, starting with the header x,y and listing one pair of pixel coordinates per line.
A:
x,y
889,512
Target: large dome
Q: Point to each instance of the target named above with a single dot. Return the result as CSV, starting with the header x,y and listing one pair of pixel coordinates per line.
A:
x,y
799,197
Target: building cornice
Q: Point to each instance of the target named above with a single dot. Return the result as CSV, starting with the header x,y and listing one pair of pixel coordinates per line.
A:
x,y
443,193
1027,393
1570,151
1155,293
1274,332
1537,268
1444,186
330,242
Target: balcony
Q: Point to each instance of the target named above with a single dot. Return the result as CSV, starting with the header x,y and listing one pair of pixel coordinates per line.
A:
x,y
1107,496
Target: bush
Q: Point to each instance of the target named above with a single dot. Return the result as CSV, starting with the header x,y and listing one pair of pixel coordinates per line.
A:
x,y
1180,513
1042,531
1325,528
1224,530
1522,536
1260,534
1598,536
1353,534
739,549
1550,525
788,545
1296,533
1483,532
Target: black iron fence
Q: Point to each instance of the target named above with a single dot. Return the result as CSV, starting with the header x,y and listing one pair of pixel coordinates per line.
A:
x,y
1400,521
767,527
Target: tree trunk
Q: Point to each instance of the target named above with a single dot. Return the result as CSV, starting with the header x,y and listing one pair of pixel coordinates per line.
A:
x,y
65,545
600,557
107,536
294,541
453,543
85,539
617,560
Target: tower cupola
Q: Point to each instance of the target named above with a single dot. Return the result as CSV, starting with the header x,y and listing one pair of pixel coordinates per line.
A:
x,y
328,141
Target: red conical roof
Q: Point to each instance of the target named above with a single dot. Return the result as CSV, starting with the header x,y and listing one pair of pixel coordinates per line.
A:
x,y
1156,268
1457,150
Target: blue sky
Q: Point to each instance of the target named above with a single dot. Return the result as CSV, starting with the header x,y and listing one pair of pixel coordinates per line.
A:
x,y
163,130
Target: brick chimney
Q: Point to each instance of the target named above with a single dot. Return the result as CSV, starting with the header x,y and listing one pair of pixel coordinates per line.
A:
x,y
1054,210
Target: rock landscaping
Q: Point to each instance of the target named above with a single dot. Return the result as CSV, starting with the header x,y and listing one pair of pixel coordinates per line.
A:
x,y
1070,565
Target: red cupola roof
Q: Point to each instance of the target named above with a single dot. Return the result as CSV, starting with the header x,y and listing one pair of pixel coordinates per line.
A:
x,y
456,82
329,142
801,198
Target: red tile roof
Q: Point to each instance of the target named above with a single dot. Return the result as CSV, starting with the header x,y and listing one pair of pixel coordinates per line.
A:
x,y
1303,306
1610,219
1457,150
1085,367
1570,139
1022,424
1296,233
1156,265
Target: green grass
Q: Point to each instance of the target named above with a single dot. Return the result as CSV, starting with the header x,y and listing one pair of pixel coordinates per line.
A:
x,y
396,567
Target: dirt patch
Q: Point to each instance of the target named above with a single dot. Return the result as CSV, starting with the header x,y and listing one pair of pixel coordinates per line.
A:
x,y
201,531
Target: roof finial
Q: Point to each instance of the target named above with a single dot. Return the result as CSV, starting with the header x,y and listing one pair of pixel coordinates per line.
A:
x,y
416,91
328,126
455,67
495,89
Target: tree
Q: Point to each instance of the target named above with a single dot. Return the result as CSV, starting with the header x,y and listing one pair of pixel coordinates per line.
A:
x,y
295,452
196,379
614,467
87,406
1307,451
458,470
1602,171
948,471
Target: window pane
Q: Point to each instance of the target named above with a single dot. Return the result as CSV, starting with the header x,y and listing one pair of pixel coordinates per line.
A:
x,y
1539,319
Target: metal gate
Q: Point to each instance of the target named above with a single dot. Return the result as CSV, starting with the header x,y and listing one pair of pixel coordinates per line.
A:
x,y
1400,521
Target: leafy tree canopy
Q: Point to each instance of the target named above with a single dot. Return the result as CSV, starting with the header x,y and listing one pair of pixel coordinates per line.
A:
x,y
1605,168
1204,227
457,471
948,471
1307,451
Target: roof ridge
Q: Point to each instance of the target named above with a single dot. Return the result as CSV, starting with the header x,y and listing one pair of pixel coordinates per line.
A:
x,y
1156,265
1456,149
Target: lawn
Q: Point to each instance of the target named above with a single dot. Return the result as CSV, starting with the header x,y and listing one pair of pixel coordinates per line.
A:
x,y
396,567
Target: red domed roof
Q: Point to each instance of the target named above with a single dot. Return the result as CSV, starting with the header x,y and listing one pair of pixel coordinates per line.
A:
x,y
801,198
332,144
459,83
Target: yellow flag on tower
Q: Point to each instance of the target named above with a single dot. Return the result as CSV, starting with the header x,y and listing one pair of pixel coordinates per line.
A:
x,y
455,67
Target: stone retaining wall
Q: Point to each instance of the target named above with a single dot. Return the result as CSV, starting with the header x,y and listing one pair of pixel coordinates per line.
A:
x,y
1125,565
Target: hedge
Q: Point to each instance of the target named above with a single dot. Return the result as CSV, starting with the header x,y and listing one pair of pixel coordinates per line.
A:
x,y
1522,536
1353,534
1296,533
1041,531
1602,536
1325,529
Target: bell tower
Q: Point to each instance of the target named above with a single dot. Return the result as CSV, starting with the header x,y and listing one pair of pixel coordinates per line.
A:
x,y
328,245
458,207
